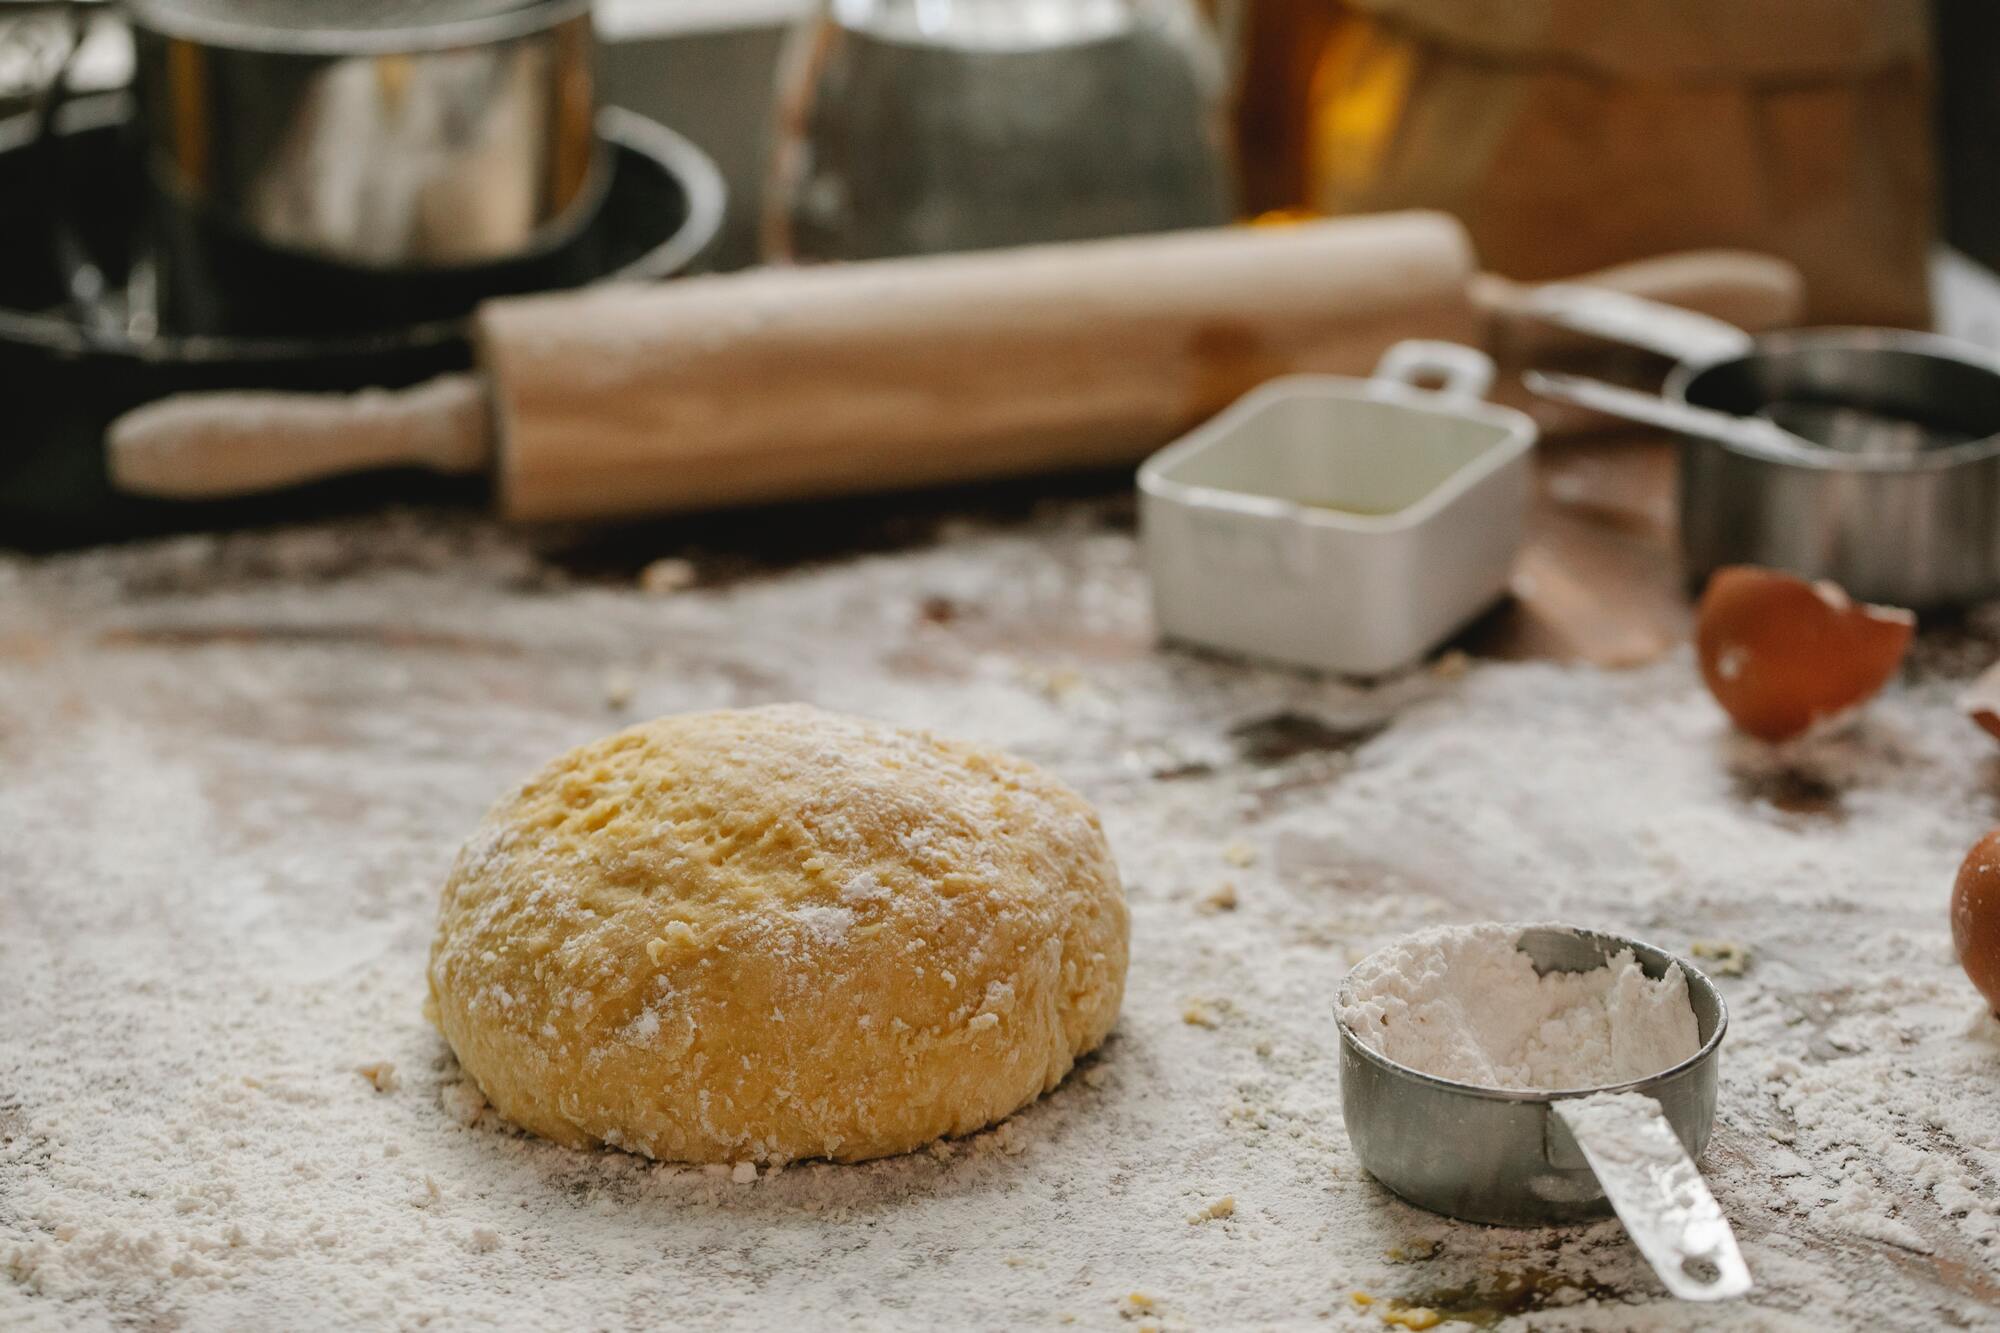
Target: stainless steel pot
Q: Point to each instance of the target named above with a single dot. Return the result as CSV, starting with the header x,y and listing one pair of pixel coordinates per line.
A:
x,y
383,133
1519,1158
1896,493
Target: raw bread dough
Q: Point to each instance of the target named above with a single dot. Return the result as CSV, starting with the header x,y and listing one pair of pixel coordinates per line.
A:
x,y
774,934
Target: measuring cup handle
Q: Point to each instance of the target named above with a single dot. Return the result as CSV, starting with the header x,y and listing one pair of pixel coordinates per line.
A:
x,y
1462,373
1620,317
1657,1193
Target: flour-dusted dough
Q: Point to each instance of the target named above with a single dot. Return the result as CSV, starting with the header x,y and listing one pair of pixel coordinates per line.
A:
x,y
774,934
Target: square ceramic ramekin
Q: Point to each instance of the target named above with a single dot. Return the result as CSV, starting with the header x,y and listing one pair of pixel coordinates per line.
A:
x,y
1347,525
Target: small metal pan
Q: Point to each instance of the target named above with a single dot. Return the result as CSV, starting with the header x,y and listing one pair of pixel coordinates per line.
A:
x,y
1896,494
402,135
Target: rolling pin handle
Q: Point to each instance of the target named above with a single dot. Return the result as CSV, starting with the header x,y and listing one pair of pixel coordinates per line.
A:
x,y
203,446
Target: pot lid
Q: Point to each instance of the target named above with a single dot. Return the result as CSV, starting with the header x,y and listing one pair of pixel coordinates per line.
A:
x,y
334,27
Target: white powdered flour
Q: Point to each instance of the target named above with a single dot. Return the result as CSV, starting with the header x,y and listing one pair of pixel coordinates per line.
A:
x,y
1461,1002
234,771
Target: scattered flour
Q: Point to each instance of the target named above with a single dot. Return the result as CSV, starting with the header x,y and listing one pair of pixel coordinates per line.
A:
x,y
1463,1003
865,887
234,772
825,926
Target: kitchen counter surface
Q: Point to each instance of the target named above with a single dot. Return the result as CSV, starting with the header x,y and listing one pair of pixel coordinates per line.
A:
x,y
234,770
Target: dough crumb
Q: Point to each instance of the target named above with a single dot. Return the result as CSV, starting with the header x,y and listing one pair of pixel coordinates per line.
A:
x,y
485,1239
664,578
1222,900
1398,1315
744,1173
463,1102
1096,1076
1137,1303
1452,665
381,1073
619,687
1056,684
1007,1139
1730,958
1197,1014
1240,854
1215,1212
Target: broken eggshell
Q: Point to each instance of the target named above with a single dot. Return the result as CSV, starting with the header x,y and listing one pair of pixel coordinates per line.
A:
x,y
1782,655
1982,700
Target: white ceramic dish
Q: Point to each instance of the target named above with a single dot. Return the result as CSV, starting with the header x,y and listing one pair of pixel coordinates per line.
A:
x,y
1342,524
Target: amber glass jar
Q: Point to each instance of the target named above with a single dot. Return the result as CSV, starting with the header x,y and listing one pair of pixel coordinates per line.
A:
x,y
1571,134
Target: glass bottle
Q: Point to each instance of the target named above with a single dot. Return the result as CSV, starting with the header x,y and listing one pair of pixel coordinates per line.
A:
x,y
1277,49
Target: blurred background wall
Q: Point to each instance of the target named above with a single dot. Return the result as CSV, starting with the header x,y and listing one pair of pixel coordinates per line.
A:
x,y
707,67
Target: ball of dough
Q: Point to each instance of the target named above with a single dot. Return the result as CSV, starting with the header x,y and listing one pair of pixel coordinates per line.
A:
x,y
774,934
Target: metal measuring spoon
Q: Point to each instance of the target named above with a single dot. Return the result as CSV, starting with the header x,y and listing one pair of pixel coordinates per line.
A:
x,y
1539,1157
1658,1193
1694,338
1756,435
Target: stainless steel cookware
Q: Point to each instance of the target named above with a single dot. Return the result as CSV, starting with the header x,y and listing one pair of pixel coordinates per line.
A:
x,y
384,133
1528,1158
1894,490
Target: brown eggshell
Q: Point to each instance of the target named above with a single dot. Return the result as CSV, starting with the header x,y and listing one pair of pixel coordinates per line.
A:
x,y
1781,654
1982,700
1975,917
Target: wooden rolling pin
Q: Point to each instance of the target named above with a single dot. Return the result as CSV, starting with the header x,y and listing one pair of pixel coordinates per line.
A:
x,y
788,383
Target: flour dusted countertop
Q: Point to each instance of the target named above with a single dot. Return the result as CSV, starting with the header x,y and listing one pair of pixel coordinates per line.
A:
x,y
234,772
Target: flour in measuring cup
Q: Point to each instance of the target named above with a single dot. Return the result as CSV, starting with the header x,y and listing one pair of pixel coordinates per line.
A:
x,y
1461,1002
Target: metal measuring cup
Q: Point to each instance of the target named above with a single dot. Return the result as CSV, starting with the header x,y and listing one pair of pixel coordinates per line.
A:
x,y
1541,1157
1893,487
